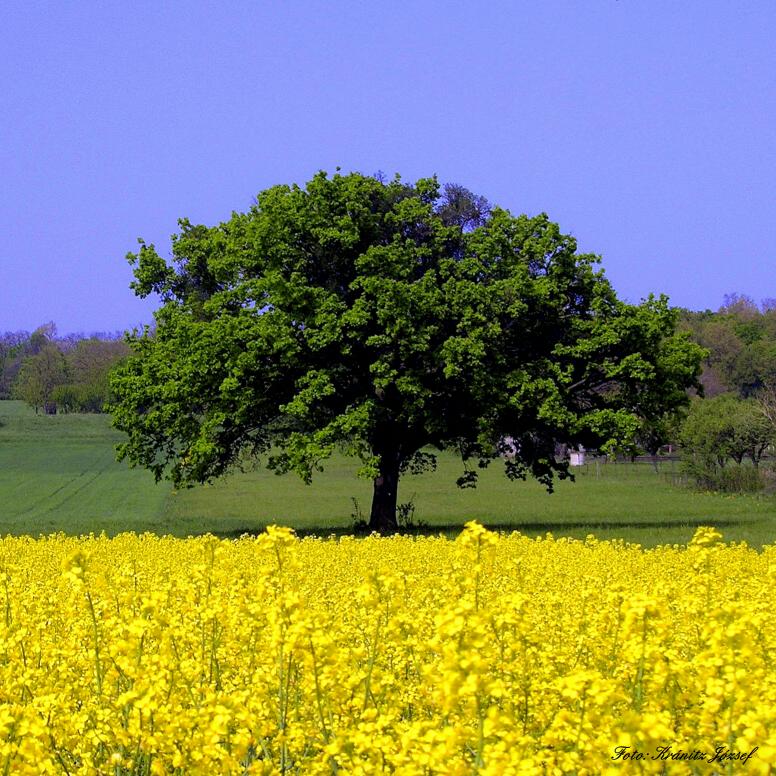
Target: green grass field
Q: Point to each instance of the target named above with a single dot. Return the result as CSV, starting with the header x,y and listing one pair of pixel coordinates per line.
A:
x,y
59,474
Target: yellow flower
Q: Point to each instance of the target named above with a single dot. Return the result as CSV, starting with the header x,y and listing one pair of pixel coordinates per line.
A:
x,y
496,654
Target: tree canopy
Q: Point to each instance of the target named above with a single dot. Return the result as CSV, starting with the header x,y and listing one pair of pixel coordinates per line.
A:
x,y
40,374
722,430
390,320
741,342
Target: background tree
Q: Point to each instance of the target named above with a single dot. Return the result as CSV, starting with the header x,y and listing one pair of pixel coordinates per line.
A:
x,y
741,343
15,347
41,338
766,401
753,432
707,433
388,319
11,343
89,362
40,374
722,431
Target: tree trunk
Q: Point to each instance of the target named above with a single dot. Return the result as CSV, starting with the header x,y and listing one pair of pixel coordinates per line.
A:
x,y
386,489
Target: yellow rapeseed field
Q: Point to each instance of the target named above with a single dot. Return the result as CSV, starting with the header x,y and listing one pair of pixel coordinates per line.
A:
x,y
490,654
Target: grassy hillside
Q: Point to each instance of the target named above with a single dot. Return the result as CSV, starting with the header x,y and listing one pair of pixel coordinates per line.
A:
x,y
59,474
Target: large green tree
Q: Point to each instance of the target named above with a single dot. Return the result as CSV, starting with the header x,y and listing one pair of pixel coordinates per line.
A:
x,y
390,320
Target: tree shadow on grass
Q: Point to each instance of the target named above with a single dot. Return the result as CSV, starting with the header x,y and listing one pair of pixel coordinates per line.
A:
x,y
453,529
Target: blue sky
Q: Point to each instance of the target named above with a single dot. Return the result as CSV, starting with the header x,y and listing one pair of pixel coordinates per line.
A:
x,y
645,128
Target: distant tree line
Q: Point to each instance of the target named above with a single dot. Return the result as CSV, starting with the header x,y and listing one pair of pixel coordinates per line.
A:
x,y
741,342
724,436
729,430
59,374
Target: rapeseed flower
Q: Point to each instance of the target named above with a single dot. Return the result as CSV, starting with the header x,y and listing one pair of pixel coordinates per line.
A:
x,y
492,654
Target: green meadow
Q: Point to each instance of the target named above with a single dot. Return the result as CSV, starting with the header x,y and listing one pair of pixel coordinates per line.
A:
x,y
59,473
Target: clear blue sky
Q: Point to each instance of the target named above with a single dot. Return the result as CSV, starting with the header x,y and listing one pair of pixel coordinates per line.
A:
x,y
646,128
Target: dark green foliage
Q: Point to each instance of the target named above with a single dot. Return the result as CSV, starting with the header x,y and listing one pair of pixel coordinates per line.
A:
x,y
81,397
741,343
658,431
385,318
